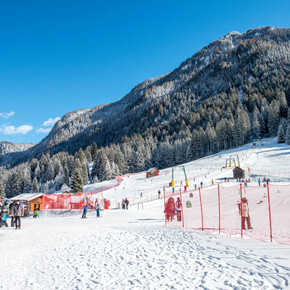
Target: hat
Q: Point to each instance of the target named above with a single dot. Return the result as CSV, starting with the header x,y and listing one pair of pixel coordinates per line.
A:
x,y
244,199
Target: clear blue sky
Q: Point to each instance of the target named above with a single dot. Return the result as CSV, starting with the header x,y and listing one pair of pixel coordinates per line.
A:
x,y
60,56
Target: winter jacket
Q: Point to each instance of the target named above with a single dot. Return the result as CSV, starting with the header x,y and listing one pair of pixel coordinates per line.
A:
x,y
245,210
5,208
18,210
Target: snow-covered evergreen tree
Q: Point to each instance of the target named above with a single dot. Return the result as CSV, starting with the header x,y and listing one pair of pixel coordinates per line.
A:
x,y
35,187
288,134
2,193
76,182
274,118
282,131
13,186
59,180
84,172
26,180
256,128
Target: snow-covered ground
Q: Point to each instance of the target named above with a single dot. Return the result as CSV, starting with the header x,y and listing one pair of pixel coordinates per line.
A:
x,y
134,249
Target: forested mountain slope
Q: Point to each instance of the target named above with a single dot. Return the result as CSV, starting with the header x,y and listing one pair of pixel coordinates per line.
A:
x,y
235,90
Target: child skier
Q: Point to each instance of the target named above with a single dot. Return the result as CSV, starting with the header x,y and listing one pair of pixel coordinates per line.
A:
x,y
98,209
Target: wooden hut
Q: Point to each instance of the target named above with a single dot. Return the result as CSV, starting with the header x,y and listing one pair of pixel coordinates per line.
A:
x,y
33,200
238,173
152,172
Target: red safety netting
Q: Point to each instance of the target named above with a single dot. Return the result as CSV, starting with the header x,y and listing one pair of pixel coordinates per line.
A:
x,y
72,201
218,209
279,196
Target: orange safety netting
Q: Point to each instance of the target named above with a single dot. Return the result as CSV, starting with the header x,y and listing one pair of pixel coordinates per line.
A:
x,y
218,209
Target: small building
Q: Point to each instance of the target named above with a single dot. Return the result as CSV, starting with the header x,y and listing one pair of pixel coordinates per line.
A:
x,y
239,173
33,200
152,172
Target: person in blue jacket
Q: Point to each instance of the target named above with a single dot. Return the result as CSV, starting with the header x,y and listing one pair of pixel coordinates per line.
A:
x,y
98,209
85,211
3,220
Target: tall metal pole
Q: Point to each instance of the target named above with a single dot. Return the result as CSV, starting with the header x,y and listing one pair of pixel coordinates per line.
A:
x,y
270,218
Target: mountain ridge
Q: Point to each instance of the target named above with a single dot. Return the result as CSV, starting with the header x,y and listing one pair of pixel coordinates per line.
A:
x,y
211,64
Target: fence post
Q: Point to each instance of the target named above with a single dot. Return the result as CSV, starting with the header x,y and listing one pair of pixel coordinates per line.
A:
x,y
201,212
241,193
181,208
270,218
219,201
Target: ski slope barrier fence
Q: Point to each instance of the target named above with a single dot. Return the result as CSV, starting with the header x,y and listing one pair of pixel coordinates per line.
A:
x,y
76,201
72,201
218,209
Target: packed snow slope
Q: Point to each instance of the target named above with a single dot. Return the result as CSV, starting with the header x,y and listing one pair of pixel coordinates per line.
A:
x,y
134,250
268,159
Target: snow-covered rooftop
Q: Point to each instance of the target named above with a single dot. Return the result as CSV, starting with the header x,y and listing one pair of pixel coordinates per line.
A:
x,y
26,196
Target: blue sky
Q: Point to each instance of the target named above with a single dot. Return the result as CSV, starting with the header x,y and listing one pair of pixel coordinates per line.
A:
x,y
60,56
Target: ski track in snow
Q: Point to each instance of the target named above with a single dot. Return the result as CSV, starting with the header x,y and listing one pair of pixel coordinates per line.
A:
x,y
135,250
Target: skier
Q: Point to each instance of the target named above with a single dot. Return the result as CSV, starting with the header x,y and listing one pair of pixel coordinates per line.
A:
x,y
178,209
18,212
126,203
169,209
3,220
245,214
123,204
97,209
185,187
11,213
259,180
85,211
36,214
159,194
201,184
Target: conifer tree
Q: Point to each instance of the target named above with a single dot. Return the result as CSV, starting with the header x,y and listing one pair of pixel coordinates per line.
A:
x,y
76,183
35,187
273,118
2,193
13,186
282,131
288,135
94,151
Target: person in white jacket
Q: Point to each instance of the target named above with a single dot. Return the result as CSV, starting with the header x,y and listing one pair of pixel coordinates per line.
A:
x,y
245,214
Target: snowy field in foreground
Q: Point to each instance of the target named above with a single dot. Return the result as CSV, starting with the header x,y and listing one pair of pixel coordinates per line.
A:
x,y
134,250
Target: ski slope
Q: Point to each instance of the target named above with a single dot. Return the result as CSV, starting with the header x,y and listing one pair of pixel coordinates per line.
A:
x,y
134,249
272,160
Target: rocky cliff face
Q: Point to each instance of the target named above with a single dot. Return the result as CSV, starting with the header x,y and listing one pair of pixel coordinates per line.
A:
x,y
8,147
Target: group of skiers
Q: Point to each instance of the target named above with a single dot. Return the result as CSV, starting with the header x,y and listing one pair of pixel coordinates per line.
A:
x,y
15,210
173,208
85,209
125,203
